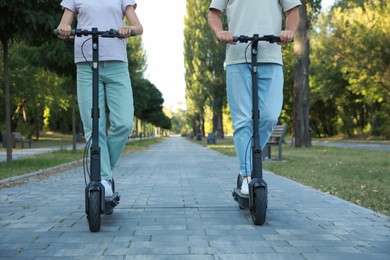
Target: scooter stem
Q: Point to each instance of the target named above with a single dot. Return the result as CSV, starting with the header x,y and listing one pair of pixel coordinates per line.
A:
x,y
95,148
256,148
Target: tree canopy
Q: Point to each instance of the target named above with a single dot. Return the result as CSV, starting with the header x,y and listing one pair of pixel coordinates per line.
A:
x,y
39,78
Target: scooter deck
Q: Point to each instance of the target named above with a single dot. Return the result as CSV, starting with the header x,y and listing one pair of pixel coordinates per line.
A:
x,y
242,199
111,202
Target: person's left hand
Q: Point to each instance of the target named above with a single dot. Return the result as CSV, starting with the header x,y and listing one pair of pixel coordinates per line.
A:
x,y
125,31
286,37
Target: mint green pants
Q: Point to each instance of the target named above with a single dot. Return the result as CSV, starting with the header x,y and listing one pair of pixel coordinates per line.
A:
x,y
116,98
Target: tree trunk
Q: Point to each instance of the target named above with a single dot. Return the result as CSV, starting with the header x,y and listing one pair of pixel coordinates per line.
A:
x,y
301,126
7,97
202,121
36,124
136,127
218,123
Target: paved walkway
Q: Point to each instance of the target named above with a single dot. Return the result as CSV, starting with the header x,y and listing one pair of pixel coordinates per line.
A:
x,y
176,203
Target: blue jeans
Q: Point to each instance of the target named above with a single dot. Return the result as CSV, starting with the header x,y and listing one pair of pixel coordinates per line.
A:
x,y
116,94
239,93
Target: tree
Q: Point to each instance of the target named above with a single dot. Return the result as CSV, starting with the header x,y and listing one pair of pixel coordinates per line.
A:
x,y
213,54
301,126
22,19
194,62
205,75
57,56
351,60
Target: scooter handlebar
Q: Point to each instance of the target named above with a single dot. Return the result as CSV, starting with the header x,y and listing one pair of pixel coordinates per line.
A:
x,y
265,38
109,34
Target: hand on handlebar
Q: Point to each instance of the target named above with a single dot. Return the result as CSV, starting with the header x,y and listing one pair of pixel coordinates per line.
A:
x,y
64,31
286,37
225,37
126,31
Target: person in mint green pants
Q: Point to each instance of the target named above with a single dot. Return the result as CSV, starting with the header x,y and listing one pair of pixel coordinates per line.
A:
x,y
115,90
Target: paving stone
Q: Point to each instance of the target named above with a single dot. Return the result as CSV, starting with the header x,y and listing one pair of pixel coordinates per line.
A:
x,y
176,203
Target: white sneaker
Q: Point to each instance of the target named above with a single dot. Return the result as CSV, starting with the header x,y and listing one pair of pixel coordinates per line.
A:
x,y
107,188
245,186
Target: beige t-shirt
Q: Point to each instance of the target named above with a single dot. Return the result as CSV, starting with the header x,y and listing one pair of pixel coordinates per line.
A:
x,y
248,17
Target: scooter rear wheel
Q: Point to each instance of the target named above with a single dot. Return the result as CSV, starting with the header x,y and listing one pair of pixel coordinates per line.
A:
x,y
94,217
259,210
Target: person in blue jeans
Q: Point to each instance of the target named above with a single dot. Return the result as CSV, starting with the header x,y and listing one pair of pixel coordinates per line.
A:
x,y
115,90
248,17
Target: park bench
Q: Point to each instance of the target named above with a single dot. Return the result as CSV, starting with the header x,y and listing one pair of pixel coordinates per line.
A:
x,y
211,138
277,139
18,138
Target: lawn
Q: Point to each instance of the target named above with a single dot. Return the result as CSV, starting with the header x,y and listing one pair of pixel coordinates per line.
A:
x,y
56,158
359,176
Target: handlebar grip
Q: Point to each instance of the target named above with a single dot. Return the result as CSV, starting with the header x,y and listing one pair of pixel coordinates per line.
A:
x,y
115,33
273,39
242,38
57,33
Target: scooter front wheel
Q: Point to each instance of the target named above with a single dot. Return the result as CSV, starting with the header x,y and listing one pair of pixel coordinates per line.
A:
x,y
260,202
94,217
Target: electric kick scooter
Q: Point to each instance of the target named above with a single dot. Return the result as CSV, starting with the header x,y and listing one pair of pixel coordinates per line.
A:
x,y
95,201
257,199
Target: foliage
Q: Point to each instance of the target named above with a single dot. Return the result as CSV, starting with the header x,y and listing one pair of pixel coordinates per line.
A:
x,y
34,91
28,20
351,80
148,102
194,52
22,19
42,75
137,59
205,75
148,99
179,122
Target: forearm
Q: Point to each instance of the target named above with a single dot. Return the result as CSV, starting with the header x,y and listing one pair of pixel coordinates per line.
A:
x,y
292,19
64,28
215,22
134,22
67,17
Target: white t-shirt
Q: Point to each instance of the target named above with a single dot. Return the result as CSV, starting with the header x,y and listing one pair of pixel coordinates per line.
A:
x,y
104,15
248,17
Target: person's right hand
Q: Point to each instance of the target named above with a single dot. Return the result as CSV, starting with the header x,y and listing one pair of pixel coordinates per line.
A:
x,y
64,31
225,37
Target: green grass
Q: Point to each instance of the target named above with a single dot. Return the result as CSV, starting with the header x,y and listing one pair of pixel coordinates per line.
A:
x,y
38,162
359,176
55,158
47,139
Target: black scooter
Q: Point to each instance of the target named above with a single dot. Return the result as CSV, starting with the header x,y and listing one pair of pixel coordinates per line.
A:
x,y
257,199
95,201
